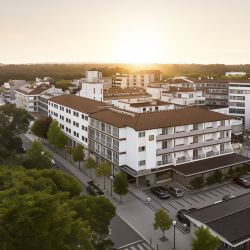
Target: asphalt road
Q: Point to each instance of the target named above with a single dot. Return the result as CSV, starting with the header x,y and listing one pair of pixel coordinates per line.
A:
x,y
123,236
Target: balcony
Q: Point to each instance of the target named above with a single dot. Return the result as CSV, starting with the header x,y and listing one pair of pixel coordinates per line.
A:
x,y
197,157
162,163
226,151
212,153
182,159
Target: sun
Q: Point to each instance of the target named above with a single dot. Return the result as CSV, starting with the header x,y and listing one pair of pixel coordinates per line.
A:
x,y
139,47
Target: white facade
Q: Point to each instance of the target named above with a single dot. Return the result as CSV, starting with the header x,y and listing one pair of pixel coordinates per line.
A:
x,y
73,123
92,91
234,73
182,97
136,79
140,152
239,101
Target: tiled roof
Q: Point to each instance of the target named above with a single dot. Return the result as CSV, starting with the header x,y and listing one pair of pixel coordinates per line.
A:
x,y
78,103
34,90
150,103
160,119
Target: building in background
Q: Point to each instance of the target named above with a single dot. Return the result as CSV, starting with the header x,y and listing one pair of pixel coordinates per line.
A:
x,y
137,79
234,73
9,89
239,101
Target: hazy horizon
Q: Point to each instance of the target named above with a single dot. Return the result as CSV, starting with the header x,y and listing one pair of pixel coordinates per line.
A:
x,y
132,31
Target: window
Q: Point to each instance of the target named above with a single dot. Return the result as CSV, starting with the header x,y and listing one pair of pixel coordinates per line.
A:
x,y
83,117
142,163
144,109
83,128
165,131
141,134
76,124
86,118
83,138
222,123
151,138
195,126
164,144
75,113
141,149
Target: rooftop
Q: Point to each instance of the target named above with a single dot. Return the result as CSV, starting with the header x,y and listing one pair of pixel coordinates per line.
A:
x,y
32,89
210,164
78,103
178,90
230,219
160,119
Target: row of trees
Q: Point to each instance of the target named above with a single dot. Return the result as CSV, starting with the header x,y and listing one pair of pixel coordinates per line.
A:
x,y
202,240
46,128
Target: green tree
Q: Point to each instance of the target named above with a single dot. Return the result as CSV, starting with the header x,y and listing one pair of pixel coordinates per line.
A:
x,y
162,221
37,157
121,185
90,164
61,141
69,151
102,170
41,126
43,209
204,240
13,123
78,154
53,132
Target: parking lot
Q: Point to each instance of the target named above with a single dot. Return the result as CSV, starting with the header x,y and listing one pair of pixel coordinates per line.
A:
x,y
197,199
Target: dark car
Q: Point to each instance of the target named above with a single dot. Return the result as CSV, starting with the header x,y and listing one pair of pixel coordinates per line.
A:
x,y
160,192
175,191
227,197
181,215
94,189
242,182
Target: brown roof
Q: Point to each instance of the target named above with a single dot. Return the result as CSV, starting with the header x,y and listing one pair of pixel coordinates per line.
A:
x,y
210,164
178,80
160,119
78,103
34,90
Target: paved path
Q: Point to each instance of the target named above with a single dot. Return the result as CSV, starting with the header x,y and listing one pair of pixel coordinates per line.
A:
x,y
136,212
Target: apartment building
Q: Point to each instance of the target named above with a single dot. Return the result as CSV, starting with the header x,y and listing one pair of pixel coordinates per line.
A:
x,y
27,96
183,96
156,146
137,79
9,89
72,113
239,100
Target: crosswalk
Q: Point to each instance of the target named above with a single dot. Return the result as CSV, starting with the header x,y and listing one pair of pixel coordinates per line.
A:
x,y
138,245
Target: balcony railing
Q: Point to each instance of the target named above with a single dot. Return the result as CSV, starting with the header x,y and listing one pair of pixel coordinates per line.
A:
x,y
212,153
197,157
182,160
226,151
161,163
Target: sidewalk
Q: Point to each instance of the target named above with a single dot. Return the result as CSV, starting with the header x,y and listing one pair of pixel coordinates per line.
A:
x,y
134,209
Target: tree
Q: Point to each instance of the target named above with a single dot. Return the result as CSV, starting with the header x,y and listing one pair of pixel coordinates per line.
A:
x,y
37,157
90,164
78,154
69,150
41,126
13,123
204,240
121,185
61,140
102,170
53,132
40,210
162,221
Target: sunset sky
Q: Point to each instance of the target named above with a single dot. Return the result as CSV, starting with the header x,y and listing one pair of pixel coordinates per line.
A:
x,y
129,31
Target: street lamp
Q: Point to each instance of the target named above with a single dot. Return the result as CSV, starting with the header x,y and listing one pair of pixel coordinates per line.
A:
x,y
174,224
111,184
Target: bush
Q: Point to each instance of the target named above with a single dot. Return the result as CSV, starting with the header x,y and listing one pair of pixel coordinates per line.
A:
x,y
197,182
215,178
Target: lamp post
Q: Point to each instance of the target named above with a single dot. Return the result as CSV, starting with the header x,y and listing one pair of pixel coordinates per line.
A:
x,y
174,224
111,184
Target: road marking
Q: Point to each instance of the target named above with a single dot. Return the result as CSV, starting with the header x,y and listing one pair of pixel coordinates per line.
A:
x,y
213,193
199,196
205,194
130,244
224,190
191,198
187,201
172,206
230,188
179,203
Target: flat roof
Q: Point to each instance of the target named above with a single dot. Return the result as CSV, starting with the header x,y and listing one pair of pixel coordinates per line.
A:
x,y
230,219
210,164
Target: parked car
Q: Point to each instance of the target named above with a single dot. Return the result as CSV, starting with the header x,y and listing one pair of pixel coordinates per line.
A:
x,y
160,191
94,189
181,215
175,191
242,182
227,197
